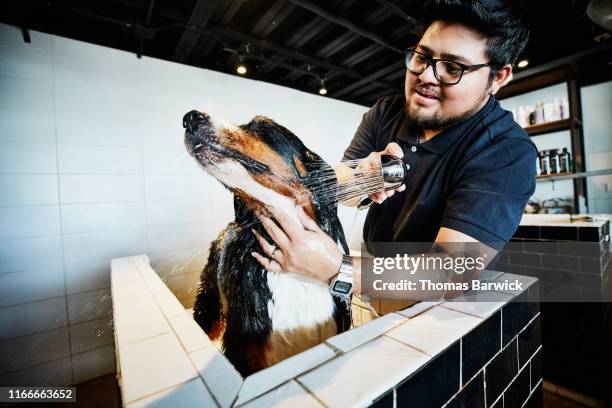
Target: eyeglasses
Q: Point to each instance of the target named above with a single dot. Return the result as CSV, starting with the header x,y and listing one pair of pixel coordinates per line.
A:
x,y
446,72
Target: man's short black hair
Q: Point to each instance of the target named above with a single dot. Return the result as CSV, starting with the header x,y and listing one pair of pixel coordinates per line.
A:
x,y
502,22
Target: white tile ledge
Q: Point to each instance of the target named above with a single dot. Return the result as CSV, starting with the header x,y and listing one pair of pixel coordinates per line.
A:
x,y
261,382
406,340
356,337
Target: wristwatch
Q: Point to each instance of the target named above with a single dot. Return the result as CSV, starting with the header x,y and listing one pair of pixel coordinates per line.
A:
x,y
342,283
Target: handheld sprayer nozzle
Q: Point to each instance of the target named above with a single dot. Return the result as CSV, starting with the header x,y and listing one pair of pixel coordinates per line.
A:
x,y
394,171
361,177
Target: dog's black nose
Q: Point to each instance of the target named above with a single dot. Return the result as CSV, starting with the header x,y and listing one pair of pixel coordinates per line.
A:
x,y
193,120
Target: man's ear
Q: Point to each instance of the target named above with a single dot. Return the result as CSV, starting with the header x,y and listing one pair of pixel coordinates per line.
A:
x,y
501,78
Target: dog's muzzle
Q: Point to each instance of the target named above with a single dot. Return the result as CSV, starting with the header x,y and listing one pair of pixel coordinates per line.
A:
x,y
194,120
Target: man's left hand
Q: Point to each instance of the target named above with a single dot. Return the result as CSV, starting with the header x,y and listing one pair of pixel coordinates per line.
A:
x,y
301,248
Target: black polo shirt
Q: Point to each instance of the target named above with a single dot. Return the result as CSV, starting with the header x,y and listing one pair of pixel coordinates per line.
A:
x,y
474,177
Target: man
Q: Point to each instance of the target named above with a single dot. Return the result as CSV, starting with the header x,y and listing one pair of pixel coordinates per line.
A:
x,y
472,167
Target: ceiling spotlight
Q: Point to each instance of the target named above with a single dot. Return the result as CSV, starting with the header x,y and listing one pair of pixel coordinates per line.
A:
x,y
322,89
241,68
523,63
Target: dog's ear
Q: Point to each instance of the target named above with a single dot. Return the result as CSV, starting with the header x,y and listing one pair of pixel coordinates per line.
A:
x,y
284,140
248,322
207,306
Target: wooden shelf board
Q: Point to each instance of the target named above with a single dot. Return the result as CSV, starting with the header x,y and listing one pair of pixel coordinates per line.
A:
x,y
570,176
549,127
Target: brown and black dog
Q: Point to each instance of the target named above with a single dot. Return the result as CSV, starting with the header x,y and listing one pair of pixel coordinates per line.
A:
x,y
262,316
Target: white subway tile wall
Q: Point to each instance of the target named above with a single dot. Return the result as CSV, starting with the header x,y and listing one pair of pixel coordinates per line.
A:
x,y
32,317
93,167
93,364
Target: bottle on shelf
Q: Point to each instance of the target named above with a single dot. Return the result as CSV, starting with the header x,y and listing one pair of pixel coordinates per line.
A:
x,y
548,112
544,163
556,113
531,116
564,108
565,161
553,160
539,113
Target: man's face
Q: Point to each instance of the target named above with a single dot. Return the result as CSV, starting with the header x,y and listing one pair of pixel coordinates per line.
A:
x,y
433,106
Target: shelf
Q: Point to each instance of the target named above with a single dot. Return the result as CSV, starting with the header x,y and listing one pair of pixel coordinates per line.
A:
x,y
549,127
569,176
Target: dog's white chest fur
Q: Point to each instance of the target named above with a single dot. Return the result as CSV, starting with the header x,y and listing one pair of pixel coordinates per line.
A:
x,y
297,303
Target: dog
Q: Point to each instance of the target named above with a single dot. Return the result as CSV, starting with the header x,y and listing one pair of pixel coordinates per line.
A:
x,y
260,316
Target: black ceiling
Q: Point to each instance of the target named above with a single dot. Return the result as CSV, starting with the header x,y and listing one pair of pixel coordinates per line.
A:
x,y
355,45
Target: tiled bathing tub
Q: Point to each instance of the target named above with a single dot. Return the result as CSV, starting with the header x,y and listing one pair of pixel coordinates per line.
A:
x,y
472,354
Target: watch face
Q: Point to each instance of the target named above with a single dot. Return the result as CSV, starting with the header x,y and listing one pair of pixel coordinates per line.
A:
x,y
342,287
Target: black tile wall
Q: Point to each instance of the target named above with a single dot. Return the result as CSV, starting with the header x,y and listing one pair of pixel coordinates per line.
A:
x,y
518,391
564,233
498,404
515,315
471,395
384,401
584,249
529,340
559,233
534,296
572,266
480,345
514,246
591,265
486,371
586,280
535,400
594,295
561,262
547,275
564,277
515,269
434,384
541,247
574,352
589,234
536,368
525,258
555,292
500,371
527,231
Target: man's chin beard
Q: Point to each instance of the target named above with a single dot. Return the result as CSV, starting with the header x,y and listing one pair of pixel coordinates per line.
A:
x,y
436,121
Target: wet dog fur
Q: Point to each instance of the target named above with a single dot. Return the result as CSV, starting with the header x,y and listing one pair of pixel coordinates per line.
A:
x,y
263,317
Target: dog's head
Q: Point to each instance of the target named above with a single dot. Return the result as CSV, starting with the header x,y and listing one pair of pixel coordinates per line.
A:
x,y
263,163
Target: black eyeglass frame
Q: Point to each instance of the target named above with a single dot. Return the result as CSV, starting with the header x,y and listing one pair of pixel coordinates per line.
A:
x,y
433,61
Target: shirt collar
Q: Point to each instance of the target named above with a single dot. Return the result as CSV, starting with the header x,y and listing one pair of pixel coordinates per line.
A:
x,y
408,132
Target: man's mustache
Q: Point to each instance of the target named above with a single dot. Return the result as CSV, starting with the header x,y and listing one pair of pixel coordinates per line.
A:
x,y
428,90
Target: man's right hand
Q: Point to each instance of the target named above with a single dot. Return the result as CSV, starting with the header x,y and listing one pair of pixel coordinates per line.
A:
x,y
392,149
